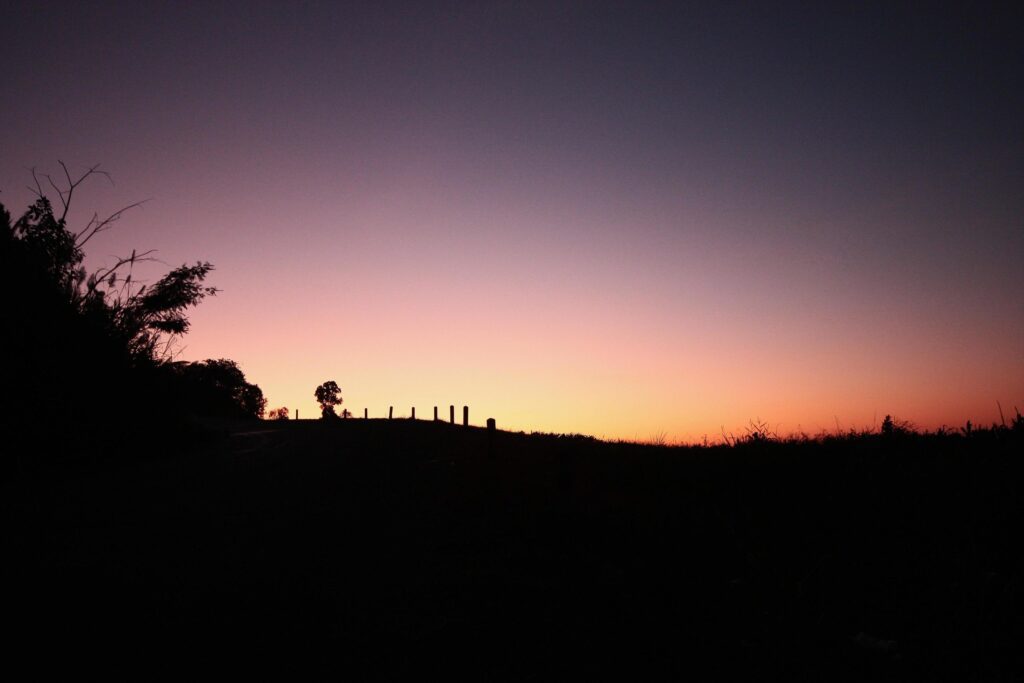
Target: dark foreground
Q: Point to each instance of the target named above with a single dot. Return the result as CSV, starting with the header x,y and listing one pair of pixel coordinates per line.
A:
x,y
411,549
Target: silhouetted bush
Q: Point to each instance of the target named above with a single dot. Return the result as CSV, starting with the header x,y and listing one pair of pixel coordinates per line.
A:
x,y
87,356
217,388
892,427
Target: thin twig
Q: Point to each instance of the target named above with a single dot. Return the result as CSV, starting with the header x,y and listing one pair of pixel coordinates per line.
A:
x,y
101,275
94,227
39,188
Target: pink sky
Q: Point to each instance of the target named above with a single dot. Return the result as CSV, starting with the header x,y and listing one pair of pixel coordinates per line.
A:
x,y
621,222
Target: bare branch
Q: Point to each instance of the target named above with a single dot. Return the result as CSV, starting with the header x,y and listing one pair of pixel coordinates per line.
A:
x,y
65,195
39,188
72,184
71,188
95,218
67,174
60,194
101,275
95,226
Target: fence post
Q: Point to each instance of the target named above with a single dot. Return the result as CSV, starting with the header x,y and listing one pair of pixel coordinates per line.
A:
x,y
435,413
391,411
366,413
414,412
491,425
296,413
452,411
465,416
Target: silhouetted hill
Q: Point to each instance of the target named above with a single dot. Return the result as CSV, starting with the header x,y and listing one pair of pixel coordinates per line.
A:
x,y
416,548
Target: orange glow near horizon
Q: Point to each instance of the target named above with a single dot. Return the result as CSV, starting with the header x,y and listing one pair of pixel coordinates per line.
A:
x,y
589,312
623,221
615,401
605,338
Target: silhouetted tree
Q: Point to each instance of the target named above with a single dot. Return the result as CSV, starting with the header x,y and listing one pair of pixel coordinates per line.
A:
x,y
143,319
218,388
328,395
278,414
105,335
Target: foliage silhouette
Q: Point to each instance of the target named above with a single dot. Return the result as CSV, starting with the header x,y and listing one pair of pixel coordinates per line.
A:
x,y
892,427
328,395
278,414
86,343
848,556
218,388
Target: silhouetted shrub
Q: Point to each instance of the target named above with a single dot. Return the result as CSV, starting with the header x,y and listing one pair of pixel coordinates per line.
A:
x,y
759,432
892,427
217,388
97,345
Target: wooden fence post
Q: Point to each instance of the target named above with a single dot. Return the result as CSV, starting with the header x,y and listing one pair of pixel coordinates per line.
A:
x,y
435,413
465,416
414,412
491,425
452,411
391,411
366,413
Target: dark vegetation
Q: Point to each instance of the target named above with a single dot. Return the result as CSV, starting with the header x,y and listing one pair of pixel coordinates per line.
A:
x,y
328,395
416,548
397,548
87,358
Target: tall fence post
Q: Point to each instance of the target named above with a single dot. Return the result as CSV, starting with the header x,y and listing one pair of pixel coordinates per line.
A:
x,y
414,412
435,413
451,410
465,416
296,413
366,413
391,411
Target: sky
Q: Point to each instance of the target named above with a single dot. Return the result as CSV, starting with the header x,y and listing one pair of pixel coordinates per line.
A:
x,y
632,220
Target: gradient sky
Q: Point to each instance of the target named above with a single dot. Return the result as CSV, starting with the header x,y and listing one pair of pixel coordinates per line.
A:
x,y
622,219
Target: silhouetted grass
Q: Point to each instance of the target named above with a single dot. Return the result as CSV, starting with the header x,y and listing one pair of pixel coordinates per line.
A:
x,y
419,548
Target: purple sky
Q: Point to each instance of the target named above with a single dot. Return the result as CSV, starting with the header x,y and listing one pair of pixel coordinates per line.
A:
x,y
618,218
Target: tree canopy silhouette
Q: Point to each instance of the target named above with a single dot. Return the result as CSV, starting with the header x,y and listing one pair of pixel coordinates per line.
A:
x,y
218,388
328,395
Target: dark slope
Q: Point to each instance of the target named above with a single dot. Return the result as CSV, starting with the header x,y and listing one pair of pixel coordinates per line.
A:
x,y
402,547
